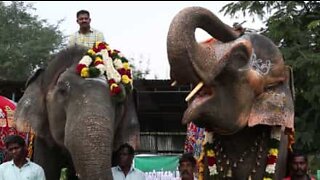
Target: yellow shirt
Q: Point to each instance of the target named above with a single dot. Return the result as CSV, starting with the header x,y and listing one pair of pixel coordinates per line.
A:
x,y
87,39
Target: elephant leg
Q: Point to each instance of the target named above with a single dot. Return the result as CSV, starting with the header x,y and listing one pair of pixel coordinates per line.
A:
x,y
52,159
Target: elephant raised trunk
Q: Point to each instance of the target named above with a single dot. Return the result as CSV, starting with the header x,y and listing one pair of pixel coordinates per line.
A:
x,y
233,69
191,62
242,91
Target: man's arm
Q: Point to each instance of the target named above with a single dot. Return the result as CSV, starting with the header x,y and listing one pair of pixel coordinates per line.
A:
x,y
72,40
100,37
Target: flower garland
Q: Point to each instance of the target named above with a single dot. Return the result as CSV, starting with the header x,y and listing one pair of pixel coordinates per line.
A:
x,y
102,60
208,151
272,153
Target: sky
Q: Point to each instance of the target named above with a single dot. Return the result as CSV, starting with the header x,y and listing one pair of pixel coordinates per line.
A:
x,y
137,28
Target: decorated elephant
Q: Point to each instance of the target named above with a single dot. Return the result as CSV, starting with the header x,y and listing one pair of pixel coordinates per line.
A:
x,y
77,118
243,96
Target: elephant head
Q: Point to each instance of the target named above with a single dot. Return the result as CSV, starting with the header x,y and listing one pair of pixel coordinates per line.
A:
x,y
244,77
75,118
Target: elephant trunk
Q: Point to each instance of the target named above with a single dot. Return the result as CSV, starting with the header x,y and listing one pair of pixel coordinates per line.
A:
x,y
90,142
190,61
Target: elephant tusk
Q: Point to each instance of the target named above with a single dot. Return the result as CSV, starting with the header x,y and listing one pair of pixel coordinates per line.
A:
x,y
194,91
173,83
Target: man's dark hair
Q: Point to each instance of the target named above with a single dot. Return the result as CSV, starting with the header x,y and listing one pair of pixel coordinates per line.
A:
x,y
128,146
188,157
14,139
297,153
83,12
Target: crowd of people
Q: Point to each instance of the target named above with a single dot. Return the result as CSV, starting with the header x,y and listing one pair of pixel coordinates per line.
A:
x,y
21,168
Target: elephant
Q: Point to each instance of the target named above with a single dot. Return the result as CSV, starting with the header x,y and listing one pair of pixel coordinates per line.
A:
x,y
244,94
77,123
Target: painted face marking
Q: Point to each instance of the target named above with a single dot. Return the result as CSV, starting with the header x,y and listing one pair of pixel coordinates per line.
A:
x,y
262,67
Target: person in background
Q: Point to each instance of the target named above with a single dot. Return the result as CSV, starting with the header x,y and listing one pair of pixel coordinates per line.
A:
x,y
124,170
86,35
187,166
20,167
298,167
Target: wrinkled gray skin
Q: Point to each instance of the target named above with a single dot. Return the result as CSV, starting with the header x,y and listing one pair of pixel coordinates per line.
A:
x,y
231,85
77,124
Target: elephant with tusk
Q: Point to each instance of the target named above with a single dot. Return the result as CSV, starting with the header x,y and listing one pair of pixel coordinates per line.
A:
x,y
243,93
77,123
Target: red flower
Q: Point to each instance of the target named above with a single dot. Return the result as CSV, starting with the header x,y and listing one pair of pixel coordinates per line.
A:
x,y
271,159
95,49
211,161
99,47
115,91
111,81
102,46
97,63
128,73
80,67
122,71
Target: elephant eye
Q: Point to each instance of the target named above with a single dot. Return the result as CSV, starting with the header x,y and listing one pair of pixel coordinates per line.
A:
x,y
63,87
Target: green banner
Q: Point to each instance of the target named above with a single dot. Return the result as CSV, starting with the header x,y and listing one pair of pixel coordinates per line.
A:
x,y
157,163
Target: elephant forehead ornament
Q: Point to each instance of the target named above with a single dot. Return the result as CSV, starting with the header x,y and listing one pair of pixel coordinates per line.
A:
x,y
102,61
242,86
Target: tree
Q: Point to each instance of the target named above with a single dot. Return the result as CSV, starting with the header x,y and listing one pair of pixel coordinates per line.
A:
x,y
140,69
25,41
295,27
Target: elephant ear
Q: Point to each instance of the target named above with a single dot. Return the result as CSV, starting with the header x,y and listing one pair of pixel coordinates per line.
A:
x,y
275,105
31,109
127,127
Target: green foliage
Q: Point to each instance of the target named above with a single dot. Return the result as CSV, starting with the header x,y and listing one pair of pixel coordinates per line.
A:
x,y
295,27
25,41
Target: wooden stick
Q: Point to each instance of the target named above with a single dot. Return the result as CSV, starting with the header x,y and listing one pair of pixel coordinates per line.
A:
x,y
173,83
194,91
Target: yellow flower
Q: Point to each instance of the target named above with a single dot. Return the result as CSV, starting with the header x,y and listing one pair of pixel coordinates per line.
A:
x,y
113,86
266,178
85,72
91,52
126,66
98,58
125,79
210,153
273,152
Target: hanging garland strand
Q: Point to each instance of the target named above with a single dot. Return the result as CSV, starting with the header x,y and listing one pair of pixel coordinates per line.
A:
x,y
209,152
102,60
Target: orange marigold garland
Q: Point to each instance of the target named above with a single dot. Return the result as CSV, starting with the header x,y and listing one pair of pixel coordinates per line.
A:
x,y
102,60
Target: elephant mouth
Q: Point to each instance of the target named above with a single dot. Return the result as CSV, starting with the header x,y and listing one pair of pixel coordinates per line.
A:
x,y
196,103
